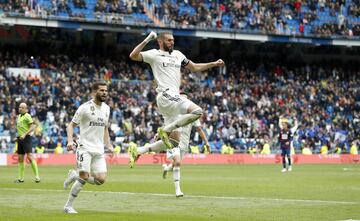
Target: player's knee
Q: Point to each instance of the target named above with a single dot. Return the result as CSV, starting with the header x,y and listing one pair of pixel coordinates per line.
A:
x,y
21,159
29,157
197,112
83,175
176,163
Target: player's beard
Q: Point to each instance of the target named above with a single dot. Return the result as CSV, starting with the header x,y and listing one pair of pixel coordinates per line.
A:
x,y
169,49
101,98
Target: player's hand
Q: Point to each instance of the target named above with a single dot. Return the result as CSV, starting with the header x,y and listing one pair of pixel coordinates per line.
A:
x,y
70,146
111,151
207,146
22,137
150,37
219,63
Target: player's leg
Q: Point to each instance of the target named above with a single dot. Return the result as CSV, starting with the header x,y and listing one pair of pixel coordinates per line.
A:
x,y
283,154
156,146
34,166
183,145
21,168
289,160
99,170
176,172
181,111
83,160
175,157
74,175
21,165
71,177
135,152
75,190
168,167
98,178
193,113
26,143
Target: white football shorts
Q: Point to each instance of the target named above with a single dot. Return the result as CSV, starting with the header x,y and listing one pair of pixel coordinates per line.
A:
x,y
172,105
92,163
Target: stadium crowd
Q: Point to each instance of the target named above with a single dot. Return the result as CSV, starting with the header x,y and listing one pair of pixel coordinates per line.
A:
x,y
301,17
242,103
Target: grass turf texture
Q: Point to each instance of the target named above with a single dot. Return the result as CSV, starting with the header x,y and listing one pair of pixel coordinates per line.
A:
x,y
231,192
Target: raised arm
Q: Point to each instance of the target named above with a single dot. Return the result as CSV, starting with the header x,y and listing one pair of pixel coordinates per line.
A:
x,y
295,127
280,125
135,54
197,67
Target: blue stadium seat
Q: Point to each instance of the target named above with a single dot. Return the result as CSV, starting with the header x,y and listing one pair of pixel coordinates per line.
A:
x,y
184,9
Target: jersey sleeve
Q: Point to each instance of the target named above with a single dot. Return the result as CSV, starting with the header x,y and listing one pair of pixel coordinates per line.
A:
x,y
78,114
184,60
148,56
29,119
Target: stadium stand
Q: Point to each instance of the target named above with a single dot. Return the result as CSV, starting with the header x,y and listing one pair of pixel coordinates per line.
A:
x,y
276,17
325,18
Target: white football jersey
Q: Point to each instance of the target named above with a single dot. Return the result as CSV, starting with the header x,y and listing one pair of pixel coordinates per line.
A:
x,y
166,68
92,120
185,134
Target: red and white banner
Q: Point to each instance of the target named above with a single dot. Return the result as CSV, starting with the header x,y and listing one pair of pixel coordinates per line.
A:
x,y
122,159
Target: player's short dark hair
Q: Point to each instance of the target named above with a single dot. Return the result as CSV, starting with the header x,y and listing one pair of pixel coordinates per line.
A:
x,y
162,34
96,84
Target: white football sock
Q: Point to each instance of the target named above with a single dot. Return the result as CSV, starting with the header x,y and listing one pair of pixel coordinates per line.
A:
x,y
176,177
156,146
91,180
75,189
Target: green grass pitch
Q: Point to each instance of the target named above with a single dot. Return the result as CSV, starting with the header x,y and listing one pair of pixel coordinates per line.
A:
x,y
224,192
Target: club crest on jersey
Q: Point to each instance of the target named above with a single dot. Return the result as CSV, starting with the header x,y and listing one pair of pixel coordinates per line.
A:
x,y
92,108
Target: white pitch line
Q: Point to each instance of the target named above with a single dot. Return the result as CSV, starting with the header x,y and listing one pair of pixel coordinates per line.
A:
x,y
350,220
191,196
351,169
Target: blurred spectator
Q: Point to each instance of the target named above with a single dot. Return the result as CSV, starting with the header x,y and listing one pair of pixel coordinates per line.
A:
x,y
299,17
